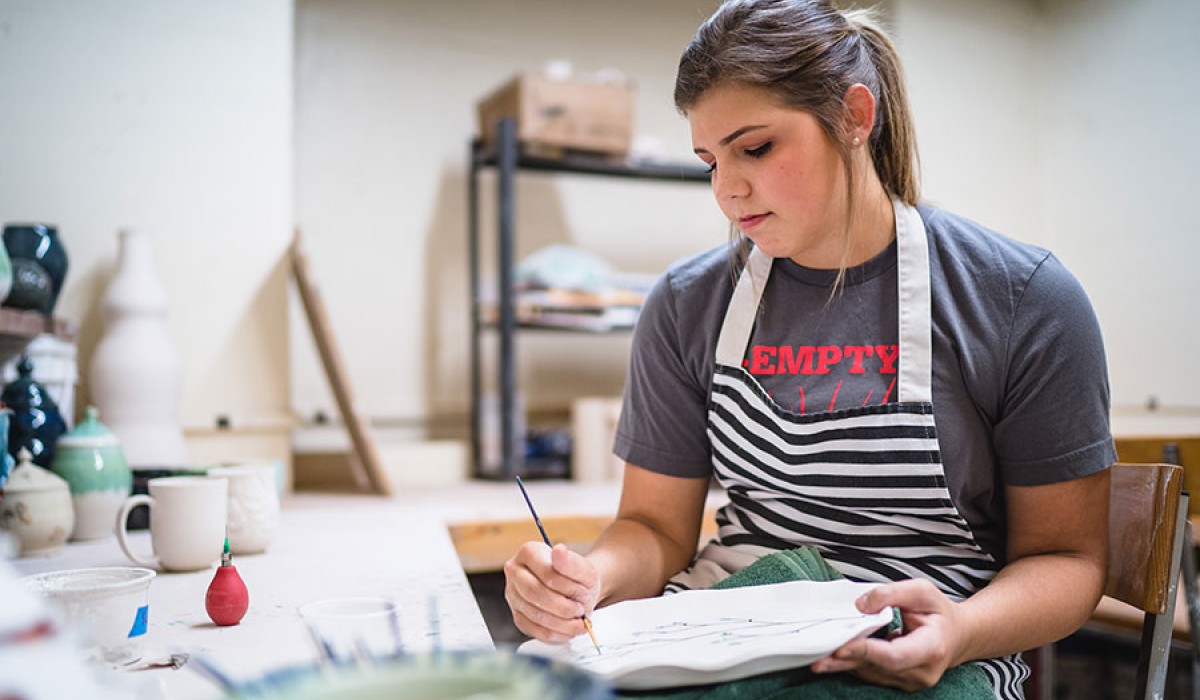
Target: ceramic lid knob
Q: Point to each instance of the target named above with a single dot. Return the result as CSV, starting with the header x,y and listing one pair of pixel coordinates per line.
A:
x,y
89,432
29,477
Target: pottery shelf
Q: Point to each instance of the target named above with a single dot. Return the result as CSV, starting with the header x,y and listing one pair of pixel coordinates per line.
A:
x,y
506,159
19,326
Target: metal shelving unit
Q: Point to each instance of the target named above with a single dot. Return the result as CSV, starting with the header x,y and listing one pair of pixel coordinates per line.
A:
x,y
507,160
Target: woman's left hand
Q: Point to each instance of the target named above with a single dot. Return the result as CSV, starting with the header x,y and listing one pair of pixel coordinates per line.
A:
x,y
917,658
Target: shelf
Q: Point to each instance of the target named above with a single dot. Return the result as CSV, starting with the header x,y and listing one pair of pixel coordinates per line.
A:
x,y
18,327
553,328
509,161
584,164
29,324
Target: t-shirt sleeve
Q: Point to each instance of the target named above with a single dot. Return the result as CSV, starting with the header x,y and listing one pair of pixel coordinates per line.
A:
x,y
1054,422
664,409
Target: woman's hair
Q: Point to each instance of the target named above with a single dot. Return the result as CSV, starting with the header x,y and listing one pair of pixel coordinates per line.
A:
x,y
807,53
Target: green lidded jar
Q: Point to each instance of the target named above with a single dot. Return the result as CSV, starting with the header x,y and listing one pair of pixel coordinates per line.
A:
x,y
90,458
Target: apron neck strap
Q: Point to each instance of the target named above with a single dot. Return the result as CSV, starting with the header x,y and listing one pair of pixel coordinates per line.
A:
x,y
912,281
914,383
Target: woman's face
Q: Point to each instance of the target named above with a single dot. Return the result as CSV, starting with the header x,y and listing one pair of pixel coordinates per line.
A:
x,y
775,175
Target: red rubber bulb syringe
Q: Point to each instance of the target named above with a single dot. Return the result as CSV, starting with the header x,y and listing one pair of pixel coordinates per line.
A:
x,y
227,598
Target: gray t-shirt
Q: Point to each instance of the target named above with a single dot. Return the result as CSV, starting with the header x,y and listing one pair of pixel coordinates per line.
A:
x,y
1020,383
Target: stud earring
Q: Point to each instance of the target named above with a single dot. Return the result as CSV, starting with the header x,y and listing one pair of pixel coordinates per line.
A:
x,y
857,140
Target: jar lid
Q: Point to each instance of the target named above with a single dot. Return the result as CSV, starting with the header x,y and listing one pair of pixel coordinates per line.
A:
x,y
30,477
24,393
90,432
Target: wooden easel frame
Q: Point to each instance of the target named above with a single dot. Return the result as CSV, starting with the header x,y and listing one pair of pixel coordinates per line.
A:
x,y
368,469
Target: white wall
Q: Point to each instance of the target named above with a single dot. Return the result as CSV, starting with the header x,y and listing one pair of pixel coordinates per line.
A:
x,y
173,117
1064,122
385,109
1069,123
1121,157
972,68
1061,123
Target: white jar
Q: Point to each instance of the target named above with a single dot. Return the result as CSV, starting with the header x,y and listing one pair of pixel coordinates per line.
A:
x,y
37,508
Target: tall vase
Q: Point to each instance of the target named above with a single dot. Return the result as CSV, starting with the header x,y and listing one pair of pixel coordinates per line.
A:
x,y
135,374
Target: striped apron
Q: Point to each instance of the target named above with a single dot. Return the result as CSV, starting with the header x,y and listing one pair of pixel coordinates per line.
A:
x,y
864,486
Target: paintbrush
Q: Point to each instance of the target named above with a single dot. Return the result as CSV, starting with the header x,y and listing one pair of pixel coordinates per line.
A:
x,y
587,624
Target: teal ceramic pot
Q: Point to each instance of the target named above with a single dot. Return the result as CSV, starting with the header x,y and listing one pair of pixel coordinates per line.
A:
x,y
90,458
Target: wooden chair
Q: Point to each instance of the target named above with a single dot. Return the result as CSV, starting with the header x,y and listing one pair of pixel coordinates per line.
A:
x,y
1148,532
1149,544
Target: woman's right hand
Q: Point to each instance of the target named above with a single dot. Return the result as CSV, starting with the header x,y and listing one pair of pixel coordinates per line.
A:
x,y
549,590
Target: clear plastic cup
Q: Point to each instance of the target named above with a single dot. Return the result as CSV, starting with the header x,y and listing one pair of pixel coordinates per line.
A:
x,y
353,630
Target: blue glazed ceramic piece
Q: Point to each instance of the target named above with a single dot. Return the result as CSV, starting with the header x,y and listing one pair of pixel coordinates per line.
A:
x,y
36,423
40,243
31,286
6,460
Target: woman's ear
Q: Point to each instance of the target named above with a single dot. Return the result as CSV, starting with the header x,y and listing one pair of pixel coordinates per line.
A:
x,y
860,110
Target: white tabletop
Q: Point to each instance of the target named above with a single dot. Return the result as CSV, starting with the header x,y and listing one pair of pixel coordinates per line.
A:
x,y
327,546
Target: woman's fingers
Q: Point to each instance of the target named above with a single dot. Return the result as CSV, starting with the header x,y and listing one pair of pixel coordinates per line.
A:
x,y
579,581
545,599
910,596
911,661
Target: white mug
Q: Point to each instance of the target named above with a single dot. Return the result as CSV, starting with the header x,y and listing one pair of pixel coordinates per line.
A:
x,y
187,522
253,506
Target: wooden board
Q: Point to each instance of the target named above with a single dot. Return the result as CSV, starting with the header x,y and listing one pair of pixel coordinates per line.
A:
x,y
484,545
368,470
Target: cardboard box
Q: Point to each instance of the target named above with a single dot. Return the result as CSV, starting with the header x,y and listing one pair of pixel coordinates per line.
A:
x,y
558,115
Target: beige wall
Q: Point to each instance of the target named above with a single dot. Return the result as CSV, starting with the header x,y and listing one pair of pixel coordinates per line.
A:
x,y
1064,122
175,118
1120,160
384,115
1019,108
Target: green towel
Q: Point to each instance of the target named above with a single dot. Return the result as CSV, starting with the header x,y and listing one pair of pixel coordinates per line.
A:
x,y
966,682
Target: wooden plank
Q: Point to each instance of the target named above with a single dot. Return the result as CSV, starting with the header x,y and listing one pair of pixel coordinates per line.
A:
x,y
484,545
368,469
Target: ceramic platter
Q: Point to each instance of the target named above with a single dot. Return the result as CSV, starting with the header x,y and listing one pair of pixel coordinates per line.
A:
x,y
447,676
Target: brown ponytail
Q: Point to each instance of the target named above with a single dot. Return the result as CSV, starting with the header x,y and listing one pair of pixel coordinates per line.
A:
x,y
893,140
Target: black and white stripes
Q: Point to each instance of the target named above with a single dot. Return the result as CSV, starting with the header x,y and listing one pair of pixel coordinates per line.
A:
x,y
866,488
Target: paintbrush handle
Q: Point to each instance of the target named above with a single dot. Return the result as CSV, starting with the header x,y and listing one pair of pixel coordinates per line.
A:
x,y
537,521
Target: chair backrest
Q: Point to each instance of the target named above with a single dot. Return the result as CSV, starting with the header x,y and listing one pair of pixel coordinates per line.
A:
x,y
1147,529
1181,449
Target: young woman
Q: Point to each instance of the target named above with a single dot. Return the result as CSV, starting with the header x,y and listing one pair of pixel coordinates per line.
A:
x,y
921,399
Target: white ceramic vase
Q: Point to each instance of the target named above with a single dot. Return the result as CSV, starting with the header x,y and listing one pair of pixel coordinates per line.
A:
x,y
135,374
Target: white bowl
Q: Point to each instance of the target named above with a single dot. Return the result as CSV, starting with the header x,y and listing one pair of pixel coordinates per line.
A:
x,y
109,605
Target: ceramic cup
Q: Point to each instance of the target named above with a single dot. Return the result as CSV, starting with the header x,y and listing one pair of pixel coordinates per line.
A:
x,y
253,506
187,522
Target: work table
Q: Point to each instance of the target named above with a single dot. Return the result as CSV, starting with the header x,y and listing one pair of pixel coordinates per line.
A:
x,y
326,547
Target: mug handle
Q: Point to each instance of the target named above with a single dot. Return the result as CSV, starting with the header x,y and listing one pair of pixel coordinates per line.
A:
x,y
122,529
